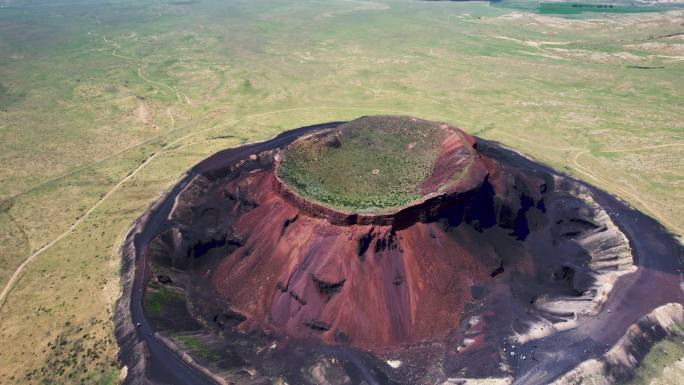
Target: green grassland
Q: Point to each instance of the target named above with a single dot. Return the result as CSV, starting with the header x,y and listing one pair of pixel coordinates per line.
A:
x,y
578,8
103,107
372,164
157,297
194,345
664,363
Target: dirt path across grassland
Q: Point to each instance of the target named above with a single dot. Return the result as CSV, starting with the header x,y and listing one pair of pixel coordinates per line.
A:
x,y
620,191
575,164
17,273
15,276
173,89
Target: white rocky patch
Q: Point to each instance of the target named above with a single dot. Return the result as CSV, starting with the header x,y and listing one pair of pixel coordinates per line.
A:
x,y
394,364
611,257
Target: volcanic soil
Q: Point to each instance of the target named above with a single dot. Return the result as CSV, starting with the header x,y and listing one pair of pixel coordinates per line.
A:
x,y
475,253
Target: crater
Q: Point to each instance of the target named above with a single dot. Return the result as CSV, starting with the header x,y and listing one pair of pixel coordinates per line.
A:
x,y
401,238
379,164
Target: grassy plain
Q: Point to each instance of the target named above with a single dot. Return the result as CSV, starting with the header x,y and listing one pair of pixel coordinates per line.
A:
x,y
103,106
664,364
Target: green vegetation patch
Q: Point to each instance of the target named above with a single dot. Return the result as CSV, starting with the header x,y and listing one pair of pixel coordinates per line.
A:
x,y
70,355
167,308
197,346
572,9
158,297
562,8
368,164
662,355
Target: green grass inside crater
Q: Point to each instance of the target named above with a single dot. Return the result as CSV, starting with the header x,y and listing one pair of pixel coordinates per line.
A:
x,y
365,165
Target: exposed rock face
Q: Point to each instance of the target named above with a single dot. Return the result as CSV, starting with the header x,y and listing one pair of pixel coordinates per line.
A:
x,y
502,242
619,363
374,284
609,257
424,209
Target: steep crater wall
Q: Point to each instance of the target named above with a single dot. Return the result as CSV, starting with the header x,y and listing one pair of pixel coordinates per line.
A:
x,y
512,252
377,280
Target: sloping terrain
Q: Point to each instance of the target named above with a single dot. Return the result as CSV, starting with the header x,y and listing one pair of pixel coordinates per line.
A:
x,y
517,254
597,96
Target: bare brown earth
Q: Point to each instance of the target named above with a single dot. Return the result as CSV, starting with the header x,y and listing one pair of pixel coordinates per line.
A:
x,y
372,285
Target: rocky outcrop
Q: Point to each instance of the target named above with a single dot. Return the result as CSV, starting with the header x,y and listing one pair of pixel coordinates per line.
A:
x,y
609,257
619,363
182,210
132,349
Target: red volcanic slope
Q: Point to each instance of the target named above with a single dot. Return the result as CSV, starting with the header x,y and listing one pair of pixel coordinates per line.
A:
x,y
408,286
455,156
371,285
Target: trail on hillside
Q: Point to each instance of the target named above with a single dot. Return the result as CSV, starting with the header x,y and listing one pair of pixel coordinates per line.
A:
x,y
659,215
83,166
17,273
169,146
578,152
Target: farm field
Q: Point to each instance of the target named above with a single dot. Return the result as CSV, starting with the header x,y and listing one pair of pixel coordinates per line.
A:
x,y
103,106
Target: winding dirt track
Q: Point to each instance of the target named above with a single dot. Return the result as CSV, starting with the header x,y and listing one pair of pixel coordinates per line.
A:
x,y
17,273
15,276
181,96
656,281
574,162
